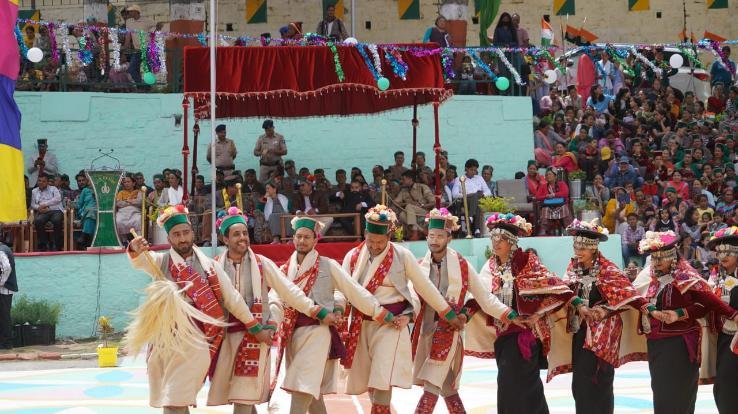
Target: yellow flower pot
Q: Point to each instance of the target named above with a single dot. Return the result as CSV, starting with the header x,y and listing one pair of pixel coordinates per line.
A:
x,y
107,357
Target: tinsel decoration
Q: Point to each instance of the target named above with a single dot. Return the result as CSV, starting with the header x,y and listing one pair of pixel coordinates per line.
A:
x,y
152,54
85,50
485,67
723,58
547,55
688,53
337,62
161,48
114,47
646,62
102,59
144,52
623,64
21,43
202,40
68,56
514,73
447,60
399,67
52,44
368,61
375,56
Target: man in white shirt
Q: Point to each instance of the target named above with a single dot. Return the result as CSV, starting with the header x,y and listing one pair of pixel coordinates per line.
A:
x,y
46,203
476,188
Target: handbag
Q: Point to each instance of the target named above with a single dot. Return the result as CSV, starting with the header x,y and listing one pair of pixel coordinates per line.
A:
x,y
553,202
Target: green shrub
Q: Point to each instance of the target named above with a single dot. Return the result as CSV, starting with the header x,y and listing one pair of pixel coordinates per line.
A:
x,y
34,312
495,204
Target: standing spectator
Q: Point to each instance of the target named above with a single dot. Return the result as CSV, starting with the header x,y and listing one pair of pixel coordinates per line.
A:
x,y
632,232
331,26
437,33
128,209
605,73
554,199
46,202
398,168
270,148
225,151
85,211
520,33
41,162
505,34
721,73
419,164
487,172
8,286
132,43
415,201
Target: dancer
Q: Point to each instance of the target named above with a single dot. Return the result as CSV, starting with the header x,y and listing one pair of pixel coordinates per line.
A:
x,y
242,373
678,297
438,350
519,279
723,282
313,349
378,357
189,286
605,330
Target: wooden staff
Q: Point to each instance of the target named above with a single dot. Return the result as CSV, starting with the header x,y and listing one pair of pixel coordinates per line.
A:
x,y
158,274
143,211
239,197
462,179
384,192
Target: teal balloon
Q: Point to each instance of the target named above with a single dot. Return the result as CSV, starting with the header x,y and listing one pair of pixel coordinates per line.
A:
x,y
149,78
383,84
502,83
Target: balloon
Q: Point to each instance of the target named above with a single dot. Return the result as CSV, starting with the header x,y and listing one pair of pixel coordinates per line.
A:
x,y
551,76
502,83
676,60
149,78
383,83
35,54
350,41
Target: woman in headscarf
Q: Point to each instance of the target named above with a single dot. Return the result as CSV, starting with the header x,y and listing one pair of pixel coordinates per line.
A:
x,y
604,325
533,180
554,199
519,279
678,297
128,208
564,159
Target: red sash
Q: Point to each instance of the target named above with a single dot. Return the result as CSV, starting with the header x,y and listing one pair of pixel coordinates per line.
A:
x,y
287,328
206,297
355,318
444,333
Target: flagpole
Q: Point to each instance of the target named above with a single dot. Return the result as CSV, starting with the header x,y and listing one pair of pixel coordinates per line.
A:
x,y
213,29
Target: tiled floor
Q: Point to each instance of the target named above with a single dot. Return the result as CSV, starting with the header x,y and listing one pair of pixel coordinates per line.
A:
x,y
124,390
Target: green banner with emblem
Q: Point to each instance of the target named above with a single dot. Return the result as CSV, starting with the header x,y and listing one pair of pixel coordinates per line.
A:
x,y
104,185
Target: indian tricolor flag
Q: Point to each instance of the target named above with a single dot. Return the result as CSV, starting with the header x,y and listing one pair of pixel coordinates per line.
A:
x,y
547,33
12,188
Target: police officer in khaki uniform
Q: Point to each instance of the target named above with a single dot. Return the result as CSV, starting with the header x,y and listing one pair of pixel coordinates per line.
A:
x,y
270,147
225,151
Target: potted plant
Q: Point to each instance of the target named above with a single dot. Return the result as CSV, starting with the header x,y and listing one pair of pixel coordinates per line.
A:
x,y
491,205
590,210
37,320
107,356
576,181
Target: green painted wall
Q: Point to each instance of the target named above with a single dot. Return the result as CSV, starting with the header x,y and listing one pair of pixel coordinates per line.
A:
x,y
82,282
140,129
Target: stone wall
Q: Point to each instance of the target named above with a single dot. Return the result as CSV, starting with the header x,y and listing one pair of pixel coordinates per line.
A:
x,y
610,20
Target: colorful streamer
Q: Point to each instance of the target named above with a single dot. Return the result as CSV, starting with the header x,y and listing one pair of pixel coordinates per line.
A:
x,y
514,73
399,67
367,60
21,43
337,62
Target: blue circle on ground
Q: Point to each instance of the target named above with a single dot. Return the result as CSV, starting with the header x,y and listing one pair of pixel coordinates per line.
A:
x,y
105,391
631,402
114,376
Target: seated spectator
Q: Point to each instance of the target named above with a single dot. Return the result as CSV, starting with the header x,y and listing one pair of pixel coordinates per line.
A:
x,y
651,189
691,225
467,84
554,199
622,173
573,98
598,100
354,201
397,168
415,200
128,209
172,195
487,172
618,208
598,193
613,142
310,202
702,253
564,159
419,165
703,207
533,180
476,188
631,233
545,139
665,222
698,189
589,158
155,195
681,187
546,102
717,223
687,247
46,203
274,206
727,205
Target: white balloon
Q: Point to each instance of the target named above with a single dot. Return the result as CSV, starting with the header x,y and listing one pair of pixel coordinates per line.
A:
x,y
35,54
350,41
676,60
551,76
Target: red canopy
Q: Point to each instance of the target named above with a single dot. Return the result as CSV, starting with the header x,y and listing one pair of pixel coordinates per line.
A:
x,y
301,81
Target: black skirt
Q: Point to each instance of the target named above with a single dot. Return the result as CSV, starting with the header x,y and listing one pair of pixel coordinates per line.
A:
x,y
673,376
591,383
519,385
725,389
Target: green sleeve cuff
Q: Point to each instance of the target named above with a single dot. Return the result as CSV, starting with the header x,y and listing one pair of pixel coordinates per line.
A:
x,y
256,329
680,312
651,308
450,315
338,309
577,301
322,314
271,327
389,317
464,311
512,315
